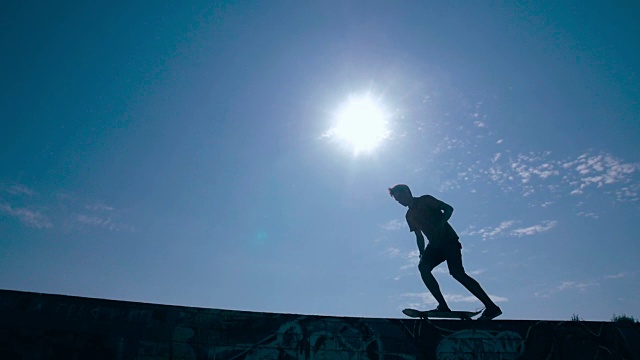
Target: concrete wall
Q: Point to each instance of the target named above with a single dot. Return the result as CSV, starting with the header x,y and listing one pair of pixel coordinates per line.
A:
x,y
41,326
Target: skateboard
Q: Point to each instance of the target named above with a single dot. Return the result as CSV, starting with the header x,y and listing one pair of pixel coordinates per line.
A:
x,y
434,314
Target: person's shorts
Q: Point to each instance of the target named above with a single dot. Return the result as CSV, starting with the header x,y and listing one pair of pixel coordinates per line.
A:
x,y
449,251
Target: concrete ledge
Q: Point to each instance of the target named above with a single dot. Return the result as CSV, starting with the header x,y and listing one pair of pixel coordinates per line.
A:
x,y
42,326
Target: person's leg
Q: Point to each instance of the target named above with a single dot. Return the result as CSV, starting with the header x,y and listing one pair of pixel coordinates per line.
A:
x,y
430,259
474,287
454,262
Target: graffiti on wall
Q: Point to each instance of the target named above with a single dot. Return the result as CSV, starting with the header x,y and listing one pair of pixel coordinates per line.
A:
x,y
308,338
472,344
61,327
300,338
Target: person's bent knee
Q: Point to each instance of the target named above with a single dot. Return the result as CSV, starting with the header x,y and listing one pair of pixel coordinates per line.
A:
x,y
458,274
425,267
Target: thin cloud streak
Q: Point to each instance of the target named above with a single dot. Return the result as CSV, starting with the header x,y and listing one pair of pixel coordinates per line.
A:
x,y
28,217
505,229
621,275
394,224
490,232
102,222
536,229
70,212
19,190
564,286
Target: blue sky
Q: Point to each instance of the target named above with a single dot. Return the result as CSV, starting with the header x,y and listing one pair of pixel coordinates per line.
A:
x,y
184,154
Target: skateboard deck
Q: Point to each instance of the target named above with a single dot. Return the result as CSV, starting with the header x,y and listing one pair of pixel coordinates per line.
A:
x,y
433,314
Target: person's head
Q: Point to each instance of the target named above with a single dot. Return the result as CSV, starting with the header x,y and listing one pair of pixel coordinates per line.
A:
x,y
402,194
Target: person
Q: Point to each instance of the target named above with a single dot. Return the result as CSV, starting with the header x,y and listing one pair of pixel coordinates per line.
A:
x,y
430,216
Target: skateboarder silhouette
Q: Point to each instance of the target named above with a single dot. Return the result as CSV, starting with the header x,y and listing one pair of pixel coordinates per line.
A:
x,y
430,216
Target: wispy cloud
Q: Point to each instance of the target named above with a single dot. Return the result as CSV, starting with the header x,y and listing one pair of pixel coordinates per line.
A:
x,y
505,228
534,172
35,210
564,286
598,171
583,286
630,192
28,217
575,285
101,216
479,124
392,252
522,172
543,173
413,259
532,165
95,221
588,214
100,207
394,225
490,232
535,229
18,189
620,275
463,165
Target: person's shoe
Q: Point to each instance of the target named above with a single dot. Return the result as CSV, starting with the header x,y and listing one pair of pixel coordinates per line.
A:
x,y
490,313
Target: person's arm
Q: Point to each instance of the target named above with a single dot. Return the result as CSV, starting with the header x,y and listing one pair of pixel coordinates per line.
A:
x,y
447,211
420,241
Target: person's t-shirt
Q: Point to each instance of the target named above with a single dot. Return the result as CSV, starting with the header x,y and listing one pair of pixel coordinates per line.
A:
x,y
425,215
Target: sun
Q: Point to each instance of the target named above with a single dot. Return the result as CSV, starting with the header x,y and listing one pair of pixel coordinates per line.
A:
x,y
361,123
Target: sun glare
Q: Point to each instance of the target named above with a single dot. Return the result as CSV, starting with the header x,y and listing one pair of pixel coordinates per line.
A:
x,y
361,123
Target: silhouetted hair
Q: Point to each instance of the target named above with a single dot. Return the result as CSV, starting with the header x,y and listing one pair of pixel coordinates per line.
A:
x,y
400,188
